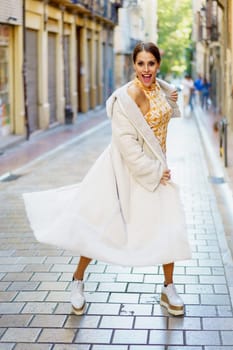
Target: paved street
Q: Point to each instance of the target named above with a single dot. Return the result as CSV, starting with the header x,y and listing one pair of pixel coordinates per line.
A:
x,y
123,311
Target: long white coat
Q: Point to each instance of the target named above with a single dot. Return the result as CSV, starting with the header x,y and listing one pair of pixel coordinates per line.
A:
x,y
119,213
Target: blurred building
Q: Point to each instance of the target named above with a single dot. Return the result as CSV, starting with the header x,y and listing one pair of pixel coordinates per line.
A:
x,y
137,22
212,33
67,48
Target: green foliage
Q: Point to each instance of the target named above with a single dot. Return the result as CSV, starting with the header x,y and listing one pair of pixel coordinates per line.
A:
x,y
174,36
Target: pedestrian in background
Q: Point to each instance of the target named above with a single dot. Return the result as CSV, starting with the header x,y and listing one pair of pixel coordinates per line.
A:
x,y
188,90
126,211
205,93
198,86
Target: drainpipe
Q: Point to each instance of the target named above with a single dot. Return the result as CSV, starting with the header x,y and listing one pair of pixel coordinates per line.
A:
x,y
26,119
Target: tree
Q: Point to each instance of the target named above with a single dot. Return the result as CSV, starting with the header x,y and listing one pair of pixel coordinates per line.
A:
x,y
174,36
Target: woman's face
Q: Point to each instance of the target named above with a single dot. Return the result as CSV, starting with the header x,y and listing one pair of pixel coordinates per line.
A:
x,y
146,67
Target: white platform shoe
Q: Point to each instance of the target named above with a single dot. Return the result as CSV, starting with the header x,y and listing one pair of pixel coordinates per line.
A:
x,y
77,297
171,300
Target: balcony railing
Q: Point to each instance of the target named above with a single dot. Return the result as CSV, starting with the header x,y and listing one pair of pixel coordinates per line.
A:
x,y
103,8
208,22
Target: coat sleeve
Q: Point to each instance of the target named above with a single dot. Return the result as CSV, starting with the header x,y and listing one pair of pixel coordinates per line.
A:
x,y
147,171
167,89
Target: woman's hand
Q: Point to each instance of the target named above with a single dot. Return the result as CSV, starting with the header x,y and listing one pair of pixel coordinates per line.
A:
x,y
165,177
174,95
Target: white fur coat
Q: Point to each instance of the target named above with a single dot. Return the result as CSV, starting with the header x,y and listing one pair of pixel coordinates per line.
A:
x,y
119,213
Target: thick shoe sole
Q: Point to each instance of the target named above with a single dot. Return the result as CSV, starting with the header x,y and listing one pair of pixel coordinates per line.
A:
x,y
172,309
79,311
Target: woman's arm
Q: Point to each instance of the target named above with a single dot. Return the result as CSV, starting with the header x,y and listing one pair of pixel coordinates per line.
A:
x,y
145,170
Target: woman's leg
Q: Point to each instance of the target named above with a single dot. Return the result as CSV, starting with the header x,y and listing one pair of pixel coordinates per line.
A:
x,y
81,268
77,297
168,273
169,296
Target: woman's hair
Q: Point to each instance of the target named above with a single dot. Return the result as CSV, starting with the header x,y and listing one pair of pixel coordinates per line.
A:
x,y
148,47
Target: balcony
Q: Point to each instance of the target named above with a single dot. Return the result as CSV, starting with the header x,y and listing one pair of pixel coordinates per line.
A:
x,y
208,22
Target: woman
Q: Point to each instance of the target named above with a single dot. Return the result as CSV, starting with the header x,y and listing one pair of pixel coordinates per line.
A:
x,y
139,220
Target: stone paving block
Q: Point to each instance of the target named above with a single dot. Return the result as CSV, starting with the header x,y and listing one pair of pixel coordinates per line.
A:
x,y
227,337
72,347
198,271
122,336
39,308
39,268
54,286
11,308
149,298
184,323
50,276
59,296
15,320
224,311
98,277
210,262
93,336
128,298
202,338
7,296
6,346
186,279
56,335
184,347
20,335
62,268
24,285
213,280
112,287
84,321
116,322
218,271
153,322
158,310
31,260
136,309
147,270
104,309
117,269
217,299
166,337
220,289
191,299
57,260
218,347
109,347
32,346
12,268
200,255
95,269
200,310
141,287
126,277
63,308
23,276
90,286
97,297
48,321
147,347
199,288
31,296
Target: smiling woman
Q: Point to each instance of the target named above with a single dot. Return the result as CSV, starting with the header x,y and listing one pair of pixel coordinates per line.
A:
x,y
129,224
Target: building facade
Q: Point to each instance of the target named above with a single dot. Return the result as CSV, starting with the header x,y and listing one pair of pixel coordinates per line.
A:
x,y
213,28
66,50
137,22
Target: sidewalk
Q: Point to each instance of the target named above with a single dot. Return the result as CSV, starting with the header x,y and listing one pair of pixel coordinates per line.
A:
x,y
16,151
123,311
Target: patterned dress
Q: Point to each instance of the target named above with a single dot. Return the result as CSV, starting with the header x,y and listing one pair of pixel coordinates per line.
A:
x,y
160,112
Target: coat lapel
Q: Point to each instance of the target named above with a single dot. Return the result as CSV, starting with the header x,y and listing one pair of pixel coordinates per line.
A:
x,y
135,116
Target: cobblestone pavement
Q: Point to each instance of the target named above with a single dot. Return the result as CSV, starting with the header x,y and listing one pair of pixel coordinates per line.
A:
x,y
123,311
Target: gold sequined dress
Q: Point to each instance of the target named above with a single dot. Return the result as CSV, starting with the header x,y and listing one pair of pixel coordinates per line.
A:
x,y
160,112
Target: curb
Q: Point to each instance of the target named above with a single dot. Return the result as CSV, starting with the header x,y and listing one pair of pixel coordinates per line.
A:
x,y
216,169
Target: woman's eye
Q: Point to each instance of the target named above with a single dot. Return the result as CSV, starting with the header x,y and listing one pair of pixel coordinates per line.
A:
x,y
140,63
151,64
